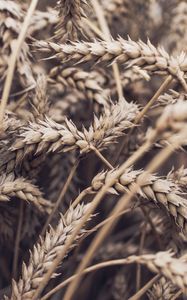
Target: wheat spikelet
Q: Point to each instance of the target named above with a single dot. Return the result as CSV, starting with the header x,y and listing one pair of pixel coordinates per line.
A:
x,y
70,15
45,252
164,289
161,191
132,53
40,100
179,176
83,81
23,190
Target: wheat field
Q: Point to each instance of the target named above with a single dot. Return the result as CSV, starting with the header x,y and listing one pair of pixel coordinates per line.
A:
x,y
93,140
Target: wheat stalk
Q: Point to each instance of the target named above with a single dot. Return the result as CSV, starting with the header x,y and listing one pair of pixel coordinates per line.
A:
x,y
45,252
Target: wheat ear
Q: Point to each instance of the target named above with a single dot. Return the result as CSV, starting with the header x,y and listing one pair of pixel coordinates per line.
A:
x,y
45,252
49,136
23,190
70,15
86,82
132,53
161,191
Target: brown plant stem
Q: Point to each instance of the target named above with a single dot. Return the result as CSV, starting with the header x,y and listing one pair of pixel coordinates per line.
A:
x,y
138,268
153,227
178,294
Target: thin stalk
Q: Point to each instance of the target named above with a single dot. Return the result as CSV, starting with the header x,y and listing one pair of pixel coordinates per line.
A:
x,y
138,268
107,36
101,224
159,92
102,158
61,197
178,294
17,241
146,214
145,288
80,197
115,262
13,58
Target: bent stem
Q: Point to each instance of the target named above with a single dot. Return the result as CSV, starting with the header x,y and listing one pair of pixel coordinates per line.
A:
x,y
102,158
115,262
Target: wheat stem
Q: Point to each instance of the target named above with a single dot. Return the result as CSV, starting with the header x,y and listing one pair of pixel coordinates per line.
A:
x,y
105,35
102,158
145,288
159,92
116,262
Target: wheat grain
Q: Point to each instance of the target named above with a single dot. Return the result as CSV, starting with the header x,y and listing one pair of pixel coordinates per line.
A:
x,y
164,263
